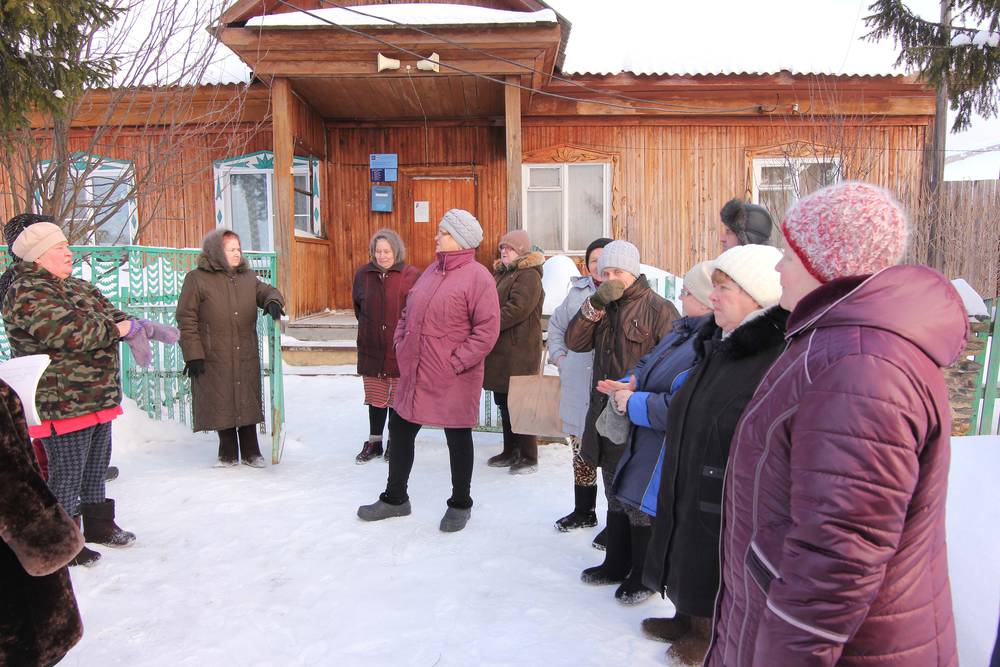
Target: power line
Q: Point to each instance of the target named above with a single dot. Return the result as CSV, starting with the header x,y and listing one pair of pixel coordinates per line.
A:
x,y
501,81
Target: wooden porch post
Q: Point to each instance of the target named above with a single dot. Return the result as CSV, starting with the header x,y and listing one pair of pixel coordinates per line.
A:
x,y
284,186
512,110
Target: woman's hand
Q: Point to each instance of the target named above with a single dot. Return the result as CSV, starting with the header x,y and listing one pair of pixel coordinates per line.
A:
x,y
621,399
610,387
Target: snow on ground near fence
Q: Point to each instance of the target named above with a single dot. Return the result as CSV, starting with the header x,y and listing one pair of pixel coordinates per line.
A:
x,y
272,567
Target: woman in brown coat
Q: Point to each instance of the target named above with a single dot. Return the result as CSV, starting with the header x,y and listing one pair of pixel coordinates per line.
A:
x,y
379,294
217,316
518,351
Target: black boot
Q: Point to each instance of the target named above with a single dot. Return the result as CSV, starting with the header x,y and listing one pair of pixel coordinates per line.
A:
x,y
370,450
99,525
632,591
583,515
112,473
228,449
600,540
617,557
385,457
86,557
249,447
667,629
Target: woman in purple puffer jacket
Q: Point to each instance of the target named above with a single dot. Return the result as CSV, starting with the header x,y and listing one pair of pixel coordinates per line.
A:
x,y
450,323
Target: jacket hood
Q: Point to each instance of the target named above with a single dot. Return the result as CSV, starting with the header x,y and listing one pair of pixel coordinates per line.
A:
x,y
531,260
212,257
914,302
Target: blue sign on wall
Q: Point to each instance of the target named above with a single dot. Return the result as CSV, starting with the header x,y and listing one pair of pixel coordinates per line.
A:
x,y
382,198
383,161
383,175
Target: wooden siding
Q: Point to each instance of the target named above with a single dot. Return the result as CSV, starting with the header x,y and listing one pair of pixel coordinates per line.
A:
x,y
312,275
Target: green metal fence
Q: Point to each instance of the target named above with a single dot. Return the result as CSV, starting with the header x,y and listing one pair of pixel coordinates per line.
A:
x,y
146,282
984,403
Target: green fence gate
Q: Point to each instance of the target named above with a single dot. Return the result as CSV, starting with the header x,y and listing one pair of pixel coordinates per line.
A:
x,y
146,282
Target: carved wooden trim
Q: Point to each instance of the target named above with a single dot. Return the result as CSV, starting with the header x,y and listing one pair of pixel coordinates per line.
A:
x,y
572,153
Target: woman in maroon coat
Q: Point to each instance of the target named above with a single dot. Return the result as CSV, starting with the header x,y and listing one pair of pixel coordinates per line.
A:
x,y
380,289
833,533
450,323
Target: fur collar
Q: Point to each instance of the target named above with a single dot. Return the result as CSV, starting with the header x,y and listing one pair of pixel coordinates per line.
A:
x,y
751,337
531,260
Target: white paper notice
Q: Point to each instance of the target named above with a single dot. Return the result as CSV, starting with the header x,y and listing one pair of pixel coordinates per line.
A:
x,y
421,211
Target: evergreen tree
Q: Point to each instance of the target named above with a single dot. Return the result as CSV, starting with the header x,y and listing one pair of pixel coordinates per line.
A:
x,y
965,59
41,42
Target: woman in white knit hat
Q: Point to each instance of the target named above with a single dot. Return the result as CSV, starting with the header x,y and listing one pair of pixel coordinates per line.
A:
x,y
733,351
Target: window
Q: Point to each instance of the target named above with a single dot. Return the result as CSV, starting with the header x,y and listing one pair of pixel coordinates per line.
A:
x,y
566,206
104,191
780,181
244,198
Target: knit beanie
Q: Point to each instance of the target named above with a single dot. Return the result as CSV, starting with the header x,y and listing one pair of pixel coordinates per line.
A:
x,y
619,255
847,229
698,281
463,227
751,223
752,268
36,239
518,240
594,245
16,225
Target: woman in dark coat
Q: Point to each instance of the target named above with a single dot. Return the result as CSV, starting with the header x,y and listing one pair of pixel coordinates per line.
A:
x,y
518,350
734,350
450,323
39,619
622,321
217,316
833,539
379,294
645,398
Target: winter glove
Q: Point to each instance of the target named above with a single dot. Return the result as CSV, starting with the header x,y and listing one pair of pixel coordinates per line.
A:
x,y
194,368
138,343
610,290
163,333
273,308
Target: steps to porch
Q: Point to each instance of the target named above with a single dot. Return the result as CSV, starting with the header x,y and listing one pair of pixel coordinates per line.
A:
x,y
323,339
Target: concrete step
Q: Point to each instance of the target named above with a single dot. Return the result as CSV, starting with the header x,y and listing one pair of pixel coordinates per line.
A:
x,y
298,352
331,325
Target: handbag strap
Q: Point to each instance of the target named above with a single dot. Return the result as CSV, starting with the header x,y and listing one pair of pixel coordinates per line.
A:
x,y
545,359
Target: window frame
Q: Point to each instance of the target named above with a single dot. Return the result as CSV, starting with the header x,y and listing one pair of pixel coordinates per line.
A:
x,y
797,163
563,188
120,172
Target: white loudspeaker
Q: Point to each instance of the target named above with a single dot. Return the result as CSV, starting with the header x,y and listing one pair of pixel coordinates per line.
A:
x,y
387,63
430,64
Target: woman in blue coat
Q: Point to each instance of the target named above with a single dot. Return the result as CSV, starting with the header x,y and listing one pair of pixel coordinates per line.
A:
x,y
646,397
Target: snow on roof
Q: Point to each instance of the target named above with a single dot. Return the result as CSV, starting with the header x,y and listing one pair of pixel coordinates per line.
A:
x,y
422,14
984,166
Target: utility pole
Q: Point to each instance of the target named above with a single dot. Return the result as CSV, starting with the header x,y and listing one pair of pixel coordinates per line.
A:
x,y
935,161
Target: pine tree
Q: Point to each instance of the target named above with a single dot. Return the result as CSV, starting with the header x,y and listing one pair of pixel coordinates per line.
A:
x,y
41,42
965,59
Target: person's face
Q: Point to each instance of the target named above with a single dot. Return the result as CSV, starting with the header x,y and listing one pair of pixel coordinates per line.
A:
x,y
796,281
690,306
623,277
384,256
595,255
730,303
507,254
57,260
444,242
231,248
728,238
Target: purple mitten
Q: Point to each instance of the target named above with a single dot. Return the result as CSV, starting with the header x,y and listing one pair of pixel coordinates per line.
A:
x,y
163,333
138,342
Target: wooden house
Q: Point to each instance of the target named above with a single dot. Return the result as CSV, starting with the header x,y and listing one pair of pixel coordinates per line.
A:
x,y
495,125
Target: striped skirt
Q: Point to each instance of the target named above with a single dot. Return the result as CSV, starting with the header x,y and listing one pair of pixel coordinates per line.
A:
x,y
379,392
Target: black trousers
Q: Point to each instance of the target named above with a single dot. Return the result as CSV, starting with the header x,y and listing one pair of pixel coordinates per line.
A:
x,y
402,435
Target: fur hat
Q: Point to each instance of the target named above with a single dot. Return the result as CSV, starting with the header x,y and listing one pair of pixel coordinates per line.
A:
x,y
394,241
752,268
698,282
463,227
36,239
751,223
619,255
518,240
847,229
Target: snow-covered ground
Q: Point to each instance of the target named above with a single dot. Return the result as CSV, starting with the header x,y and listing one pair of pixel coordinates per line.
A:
x,y
272,567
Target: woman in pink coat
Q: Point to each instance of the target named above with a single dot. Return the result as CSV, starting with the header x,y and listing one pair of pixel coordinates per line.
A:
x,y
450,323
833,515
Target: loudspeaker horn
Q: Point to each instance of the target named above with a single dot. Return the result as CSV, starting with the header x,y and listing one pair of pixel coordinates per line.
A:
x,y
387,63
430,64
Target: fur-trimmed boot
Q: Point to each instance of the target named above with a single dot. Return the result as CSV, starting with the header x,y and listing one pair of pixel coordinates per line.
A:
x,y
667,629
632,591
692,647
86,557
583,515
617,557
99,525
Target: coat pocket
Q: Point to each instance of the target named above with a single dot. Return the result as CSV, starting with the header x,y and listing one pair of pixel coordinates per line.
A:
x,y
758,570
